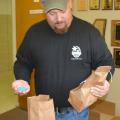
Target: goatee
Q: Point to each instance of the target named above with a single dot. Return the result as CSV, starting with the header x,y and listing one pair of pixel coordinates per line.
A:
x,y
61,31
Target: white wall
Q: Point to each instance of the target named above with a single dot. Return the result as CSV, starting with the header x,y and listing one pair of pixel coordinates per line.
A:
x,y
90,16
5,6
7,99
5,35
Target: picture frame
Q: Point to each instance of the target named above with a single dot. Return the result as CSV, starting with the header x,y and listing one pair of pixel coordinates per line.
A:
x,y
115,32
82,5
100,24
106,4
117,4
116,56
36,1
94,4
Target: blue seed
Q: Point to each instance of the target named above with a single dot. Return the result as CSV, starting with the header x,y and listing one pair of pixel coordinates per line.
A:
x,y
22,89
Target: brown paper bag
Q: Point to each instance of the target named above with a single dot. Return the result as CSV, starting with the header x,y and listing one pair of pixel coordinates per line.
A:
x,y
40,108
80,97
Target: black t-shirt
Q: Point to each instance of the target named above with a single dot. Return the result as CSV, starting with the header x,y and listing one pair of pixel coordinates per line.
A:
x,y
61,62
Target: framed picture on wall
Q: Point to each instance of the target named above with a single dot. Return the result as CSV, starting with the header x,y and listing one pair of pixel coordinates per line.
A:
x,y
115,32
116,56
100,24
82,5
117,4
106,4
94,4
36,0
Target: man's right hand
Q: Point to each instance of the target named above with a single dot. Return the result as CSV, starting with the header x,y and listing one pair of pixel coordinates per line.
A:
x,y
20,87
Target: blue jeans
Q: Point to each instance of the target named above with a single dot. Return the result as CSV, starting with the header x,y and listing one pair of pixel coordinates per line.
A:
x,y
71,114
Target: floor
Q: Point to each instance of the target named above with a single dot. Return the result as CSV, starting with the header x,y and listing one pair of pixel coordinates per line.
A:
x,y
14,114
7,98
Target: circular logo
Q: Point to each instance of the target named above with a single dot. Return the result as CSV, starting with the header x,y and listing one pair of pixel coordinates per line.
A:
x,y
76,51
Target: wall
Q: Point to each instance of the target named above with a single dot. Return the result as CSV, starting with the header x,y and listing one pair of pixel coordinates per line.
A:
x,y
5,7
7,99
90,16
5,35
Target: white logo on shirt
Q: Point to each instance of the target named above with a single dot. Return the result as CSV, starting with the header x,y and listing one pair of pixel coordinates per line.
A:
x,y
76,53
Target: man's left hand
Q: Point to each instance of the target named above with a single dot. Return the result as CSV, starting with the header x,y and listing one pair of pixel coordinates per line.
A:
x,y
100,91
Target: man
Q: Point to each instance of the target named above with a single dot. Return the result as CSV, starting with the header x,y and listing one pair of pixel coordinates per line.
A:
x,y
63,50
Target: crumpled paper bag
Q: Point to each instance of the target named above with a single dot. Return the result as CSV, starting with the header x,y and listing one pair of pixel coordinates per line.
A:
x,y
80,97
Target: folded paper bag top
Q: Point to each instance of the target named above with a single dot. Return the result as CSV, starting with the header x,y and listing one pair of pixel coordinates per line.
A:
x,y
80,97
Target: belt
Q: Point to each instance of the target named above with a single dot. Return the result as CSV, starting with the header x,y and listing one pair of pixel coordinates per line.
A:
x,y
63,109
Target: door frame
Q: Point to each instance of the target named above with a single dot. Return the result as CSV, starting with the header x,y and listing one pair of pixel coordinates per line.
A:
x,y
14,29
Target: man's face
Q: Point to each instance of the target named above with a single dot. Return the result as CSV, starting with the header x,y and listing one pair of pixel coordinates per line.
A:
x,y
59,20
